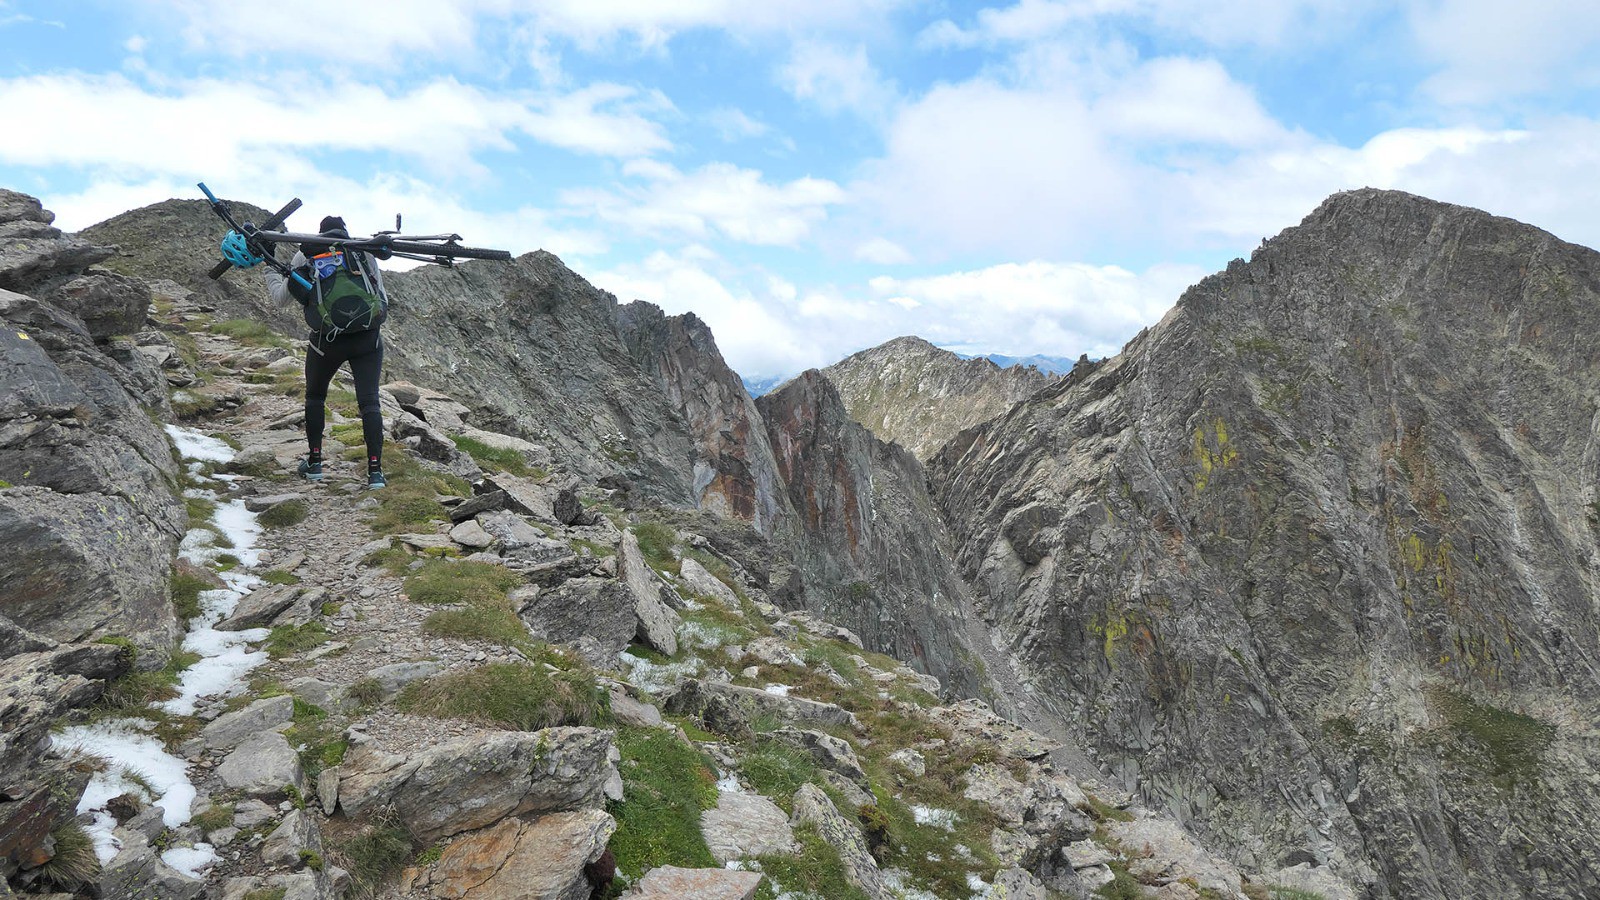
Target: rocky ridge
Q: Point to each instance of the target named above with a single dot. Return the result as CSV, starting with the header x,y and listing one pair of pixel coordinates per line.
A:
x,y
1311,562
919,396
383,742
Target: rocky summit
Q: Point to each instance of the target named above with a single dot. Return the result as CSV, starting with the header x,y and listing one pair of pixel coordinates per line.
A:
x,y
1311,562
1290,599
919,396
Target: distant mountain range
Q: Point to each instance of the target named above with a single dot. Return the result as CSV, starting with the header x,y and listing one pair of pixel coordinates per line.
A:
x,y
1049,365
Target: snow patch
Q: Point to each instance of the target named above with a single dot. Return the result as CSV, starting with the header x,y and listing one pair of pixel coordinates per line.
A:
x,y
927,815
657,677
198,446
190,860
728,784
135,760
777,690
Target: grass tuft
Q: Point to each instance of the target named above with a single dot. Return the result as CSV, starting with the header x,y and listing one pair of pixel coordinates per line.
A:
x,y
74,862
817,871
374,854
249,332
287,640
510,695
495,459
666,786
285,515
656,542
442,581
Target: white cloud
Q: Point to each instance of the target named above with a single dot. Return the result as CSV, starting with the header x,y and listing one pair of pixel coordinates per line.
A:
x,y
1058,309
393,32
210,125
716,199
837,79
1491,50
755,336
733,125
1269,23
883,252
1186,100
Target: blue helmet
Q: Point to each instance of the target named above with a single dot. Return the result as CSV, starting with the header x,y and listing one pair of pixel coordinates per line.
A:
x,y
236,250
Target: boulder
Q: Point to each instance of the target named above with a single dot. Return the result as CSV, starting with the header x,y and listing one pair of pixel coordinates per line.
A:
x,y
812,807
38,688
226,731
910,760
994,787
295,835
109,304
673,883
593,613
658,624
729,709
260,607
973,722
32,252
263,766
745,825
471,535
138,873
394,677
539,860
524,494
1173,855
472,782
1017,884
827,751
697,579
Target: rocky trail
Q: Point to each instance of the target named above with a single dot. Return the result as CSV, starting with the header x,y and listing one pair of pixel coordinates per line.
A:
x,y
494,680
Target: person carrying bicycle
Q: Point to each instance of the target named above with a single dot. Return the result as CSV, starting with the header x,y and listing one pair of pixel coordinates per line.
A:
x,y
344,307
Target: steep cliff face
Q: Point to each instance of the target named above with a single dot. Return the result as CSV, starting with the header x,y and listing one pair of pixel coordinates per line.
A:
x,y
734,474
919,396
87,480
872,552
1313,561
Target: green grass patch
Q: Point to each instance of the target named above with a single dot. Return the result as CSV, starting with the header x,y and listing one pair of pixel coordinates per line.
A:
x,y
285,515
516,696
411,499
373,854
217,817
249,332
395,560
279,576
186,587
189,405
442,581
1103,811
656,542
667,784
594,548
367,692
494,625
1507,744
133,693
344,402
817,871
1122,886
494,459
778,770
200,509
288,640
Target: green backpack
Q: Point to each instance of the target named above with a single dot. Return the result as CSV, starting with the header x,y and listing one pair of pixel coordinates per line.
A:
x,y
342,301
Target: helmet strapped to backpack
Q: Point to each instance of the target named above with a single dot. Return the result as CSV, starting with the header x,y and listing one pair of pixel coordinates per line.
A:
x,y
344,297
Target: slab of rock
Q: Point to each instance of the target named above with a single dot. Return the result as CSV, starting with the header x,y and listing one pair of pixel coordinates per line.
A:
x,y
1174,856
328,789
251,813
745,825
827,751
109,304
699,580
658,624
973,722
258,608
729,709
472,782
994,787
32,251
910,760
850,792
226,731
673,883
471,535
595,615
394,677
1017,884
423,542
525,495
138,872
812,806
539,860
629,711
516,536
262,766
264,502
315,691
296,834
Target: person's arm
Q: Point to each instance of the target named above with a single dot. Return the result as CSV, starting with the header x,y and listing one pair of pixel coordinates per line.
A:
x,y
278,285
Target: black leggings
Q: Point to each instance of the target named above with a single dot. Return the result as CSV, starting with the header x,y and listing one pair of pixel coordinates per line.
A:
x,y
364,352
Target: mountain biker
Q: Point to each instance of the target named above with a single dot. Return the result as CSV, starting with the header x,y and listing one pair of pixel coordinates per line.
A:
x,y
353,274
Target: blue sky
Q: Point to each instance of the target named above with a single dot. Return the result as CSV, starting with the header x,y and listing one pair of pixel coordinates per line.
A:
x,y
812,177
